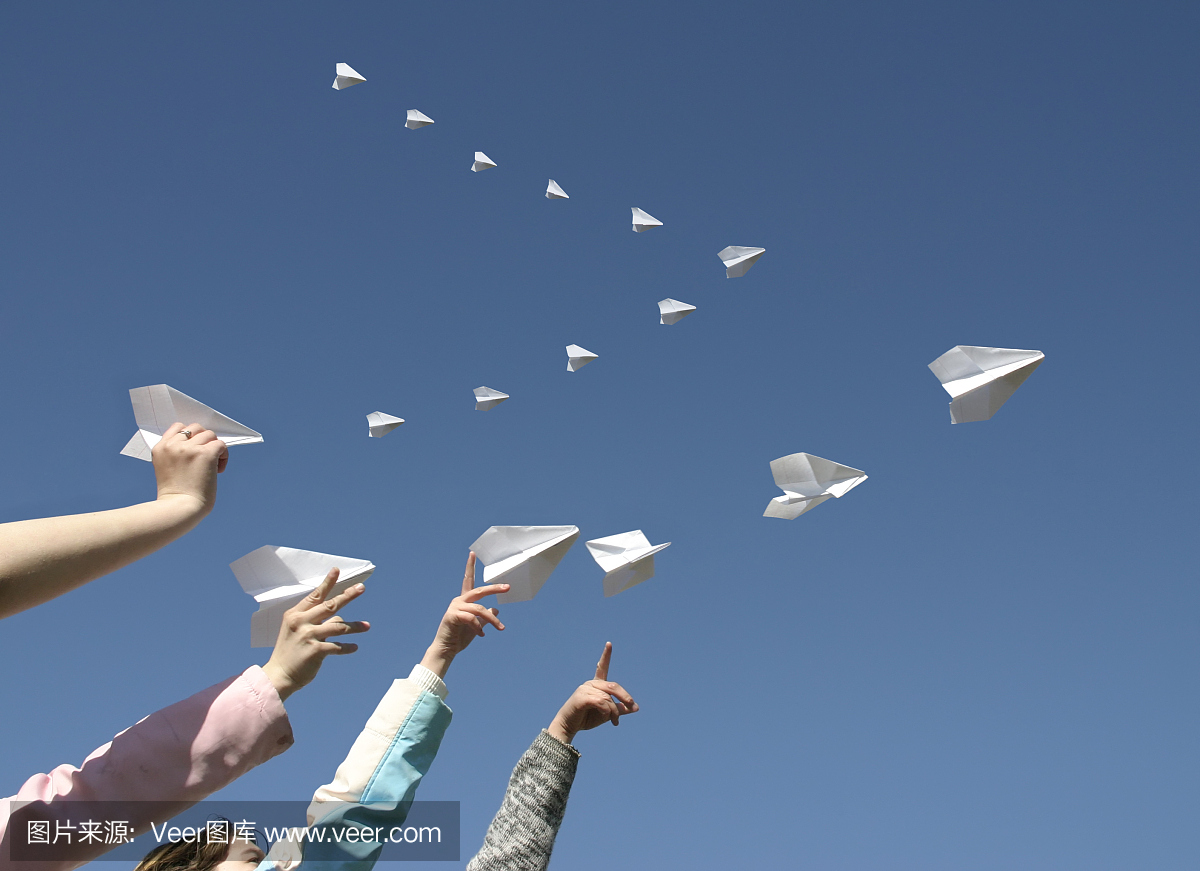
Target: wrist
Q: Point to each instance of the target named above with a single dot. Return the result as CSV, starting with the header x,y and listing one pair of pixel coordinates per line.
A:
x,y
437,660
186,506
561,732
279,678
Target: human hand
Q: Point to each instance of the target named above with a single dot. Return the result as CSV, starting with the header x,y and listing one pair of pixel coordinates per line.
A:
x,y
188,466
304,636
595,702
463,621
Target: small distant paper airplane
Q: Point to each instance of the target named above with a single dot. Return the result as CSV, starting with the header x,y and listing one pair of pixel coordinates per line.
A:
x,y
627,559
672,311
578,357
486,397
158,406
381,424
554,192
980,380
417,119
279,577
346,77
482,162
738,260
522,556
643,221
806,482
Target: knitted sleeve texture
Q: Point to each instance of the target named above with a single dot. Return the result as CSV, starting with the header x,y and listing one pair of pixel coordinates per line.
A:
x,y
522,834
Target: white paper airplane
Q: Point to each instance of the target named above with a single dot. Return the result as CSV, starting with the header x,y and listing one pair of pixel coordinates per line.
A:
x,y
417,119
346,77
486,397
578,357
738,260
554,192
522,556
279,577
381,424
643,221
158,406
482,162
627,559
980,380
806,482
672,311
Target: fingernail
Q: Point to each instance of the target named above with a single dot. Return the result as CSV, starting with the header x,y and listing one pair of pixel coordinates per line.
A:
x,y
359,587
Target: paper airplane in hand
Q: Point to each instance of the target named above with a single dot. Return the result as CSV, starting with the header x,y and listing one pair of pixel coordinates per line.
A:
x,y
486,397
554,192
417,119
627,559
578,357
522,556
738,260
980,380
482,162
346,77
806,482
381,424
672,311
158,406
643,221
279,577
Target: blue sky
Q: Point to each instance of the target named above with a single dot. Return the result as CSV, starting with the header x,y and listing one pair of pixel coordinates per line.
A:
x,y
982,657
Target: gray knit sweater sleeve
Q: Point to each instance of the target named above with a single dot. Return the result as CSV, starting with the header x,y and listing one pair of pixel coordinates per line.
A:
x,y
521,836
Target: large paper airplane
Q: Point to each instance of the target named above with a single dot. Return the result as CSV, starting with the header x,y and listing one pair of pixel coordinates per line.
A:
x,y
380,424
672,311
486,397
980,380
738,260
346,77
554,192
482,162
158,406
279,577
522,556
806,482
578,357
643,221
417,119
627,559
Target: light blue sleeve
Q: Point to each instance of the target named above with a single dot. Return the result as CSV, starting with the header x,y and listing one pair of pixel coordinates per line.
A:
x,y
385,800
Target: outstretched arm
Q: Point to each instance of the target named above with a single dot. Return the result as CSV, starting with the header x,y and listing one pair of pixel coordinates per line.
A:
x,y
43,559
522,834
374,787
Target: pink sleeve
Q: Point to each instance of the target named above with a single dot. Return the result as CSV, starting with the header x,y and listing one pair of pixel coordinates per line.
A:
x,y
176,756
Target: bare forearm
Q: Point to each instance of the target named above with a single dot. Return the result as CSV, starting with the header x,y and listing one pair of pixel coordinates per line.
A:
x,y
42,559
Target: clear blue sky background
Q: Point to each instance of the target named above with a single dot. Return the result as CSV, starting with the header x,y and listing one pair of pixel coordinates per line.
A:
x,y
984,657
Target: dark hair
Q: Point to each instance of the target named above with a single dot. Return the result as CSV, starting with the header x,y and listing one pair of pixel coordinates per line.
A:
x,y
190,855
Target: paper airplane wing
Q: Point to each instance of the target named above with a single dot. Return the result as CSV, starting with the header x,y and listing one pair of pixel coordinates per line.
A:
x,y
739,259
554,192
785,509
671,311
980,379
380,424
158,406
417,119
522,556
279,577
643,221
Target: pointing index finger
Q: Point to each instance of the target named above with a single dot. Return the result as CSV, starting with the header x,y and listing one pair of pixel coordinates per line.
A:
x,y
469,574
602,665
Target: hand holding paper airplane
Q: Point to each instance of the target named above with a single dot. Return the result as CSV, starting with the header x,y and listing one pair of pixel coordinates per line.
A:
x,y
304,643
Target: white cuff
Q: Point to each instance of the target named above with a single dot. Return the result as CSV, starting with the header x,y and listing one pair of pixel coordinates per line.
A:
x,y
427,680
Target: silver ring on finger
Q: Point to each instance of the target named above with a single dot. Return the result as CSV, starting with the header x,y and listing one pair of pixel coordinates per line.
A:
x,y
187,433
